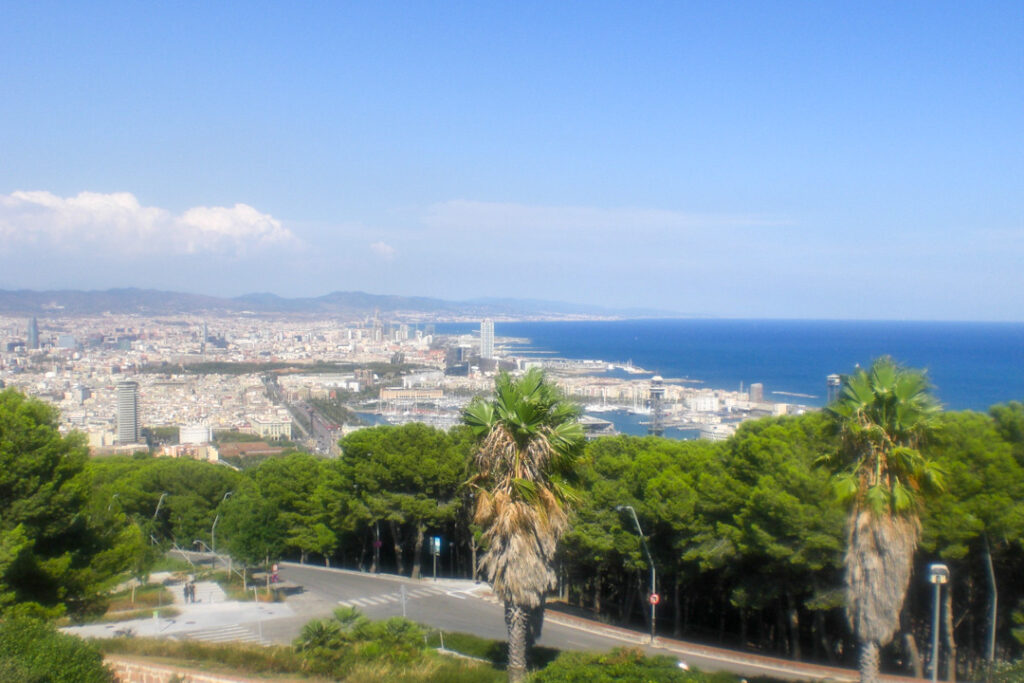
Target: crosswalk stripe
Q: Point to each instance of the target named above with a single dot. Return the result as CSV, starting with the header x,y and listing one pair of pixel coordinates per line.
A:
x,y
223,634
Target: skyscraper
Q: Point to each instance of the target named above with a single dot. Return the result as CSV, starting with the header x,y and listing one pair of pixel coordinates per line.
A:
x,y
33,333
127,412
756,392
487,338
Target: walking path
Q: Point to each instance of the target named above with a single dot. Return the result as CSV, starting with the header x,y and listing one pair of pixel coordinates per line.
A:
x,y
212,618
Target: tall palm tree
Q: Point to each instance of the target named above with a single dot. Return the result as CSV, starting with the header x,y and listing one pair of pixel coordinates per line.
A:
x,y
528,439
883,415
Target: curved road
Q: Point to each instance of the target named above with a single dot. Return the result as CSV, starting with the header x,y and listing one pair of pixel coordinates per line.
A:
x,y
461,605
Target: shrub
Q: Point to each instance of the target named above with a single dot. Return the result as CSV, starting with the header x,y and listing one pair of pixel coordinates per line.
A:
x,y
335,646
33,651
621,664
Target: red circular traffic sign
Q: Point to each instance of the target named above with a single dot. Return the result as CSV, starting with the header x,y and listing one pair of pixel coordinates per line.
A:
x,y
655,598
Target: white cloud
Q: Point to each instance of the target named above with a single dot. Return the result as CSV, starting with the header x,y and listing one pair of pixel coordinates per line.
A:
x,y
118,223
383,250
524,218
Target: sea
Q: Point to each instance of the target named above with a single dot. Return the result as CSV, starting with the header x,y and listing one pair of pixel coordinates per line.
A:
x,y
971,365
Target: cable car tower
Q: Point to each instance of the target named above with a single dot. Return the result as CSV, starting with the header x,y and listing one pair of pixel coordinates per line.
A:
x,y
657,391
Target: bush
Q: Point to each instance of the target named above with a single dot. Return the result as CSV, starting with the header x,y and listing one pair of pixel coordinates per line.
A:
x,y
335,646
33,651
621,664
1008,672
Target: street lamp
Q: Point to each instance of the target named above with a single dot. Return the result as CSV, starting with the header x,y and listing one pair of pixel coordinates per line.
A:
x,y
653,597
158,504
938,574
213,529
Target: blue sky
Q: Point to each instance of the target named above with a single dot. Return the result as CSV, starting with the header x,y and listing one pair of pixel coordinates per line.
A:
x,y
791,159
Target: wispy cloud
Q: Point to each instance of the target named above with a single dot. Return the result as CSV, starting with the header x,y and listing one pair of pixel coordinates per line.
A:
x,y
525,218
118,223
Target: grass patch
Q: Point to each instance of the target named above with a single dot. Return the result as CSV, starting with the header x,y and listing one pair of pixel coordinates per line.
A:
x,y
169,563
146,597
131,615
282,660
493,651
256,659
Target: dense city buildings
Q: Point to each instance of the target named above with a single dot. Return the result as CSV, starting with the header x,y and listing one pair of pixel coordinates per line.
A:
x,y
120,379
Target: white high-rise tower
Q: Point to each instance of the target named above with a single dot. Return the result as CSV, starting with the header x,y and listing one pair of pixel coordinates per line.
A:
x,y
127,412
487,338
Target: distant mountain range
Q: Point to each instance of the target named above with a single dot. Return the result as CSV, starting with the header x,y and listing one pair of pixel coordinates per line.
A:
x,y
154,302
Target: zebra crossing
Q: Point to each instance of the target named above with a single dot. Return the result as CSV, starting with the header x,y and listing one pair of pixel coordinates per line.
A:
x,y
223,634
391,598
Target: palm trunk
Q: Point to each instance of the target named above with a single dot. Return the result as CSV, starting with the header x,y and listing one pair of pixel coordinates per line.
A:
x,y
516,621
869,662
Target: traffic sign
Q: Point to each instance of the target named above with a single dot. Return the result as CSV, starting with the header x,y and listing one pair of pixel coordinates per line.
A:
x,y
655,598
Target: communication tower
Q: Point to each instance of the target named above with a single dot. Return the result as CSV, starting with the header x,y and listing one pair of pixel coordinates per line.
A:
x,y
833,382
657,425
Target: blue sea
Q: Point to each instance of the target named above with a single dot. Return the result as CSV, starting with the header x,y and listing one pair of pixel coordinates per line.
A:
x,y
971,365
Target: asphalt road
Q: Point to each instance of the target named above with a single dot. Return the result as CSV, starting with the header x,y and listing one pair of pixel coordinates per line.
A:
x,y
464,606
461,605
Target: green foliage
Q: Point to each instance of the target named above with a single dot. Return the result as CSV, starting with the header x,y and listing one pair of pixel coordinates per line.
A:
x,y
493,651
336,410
407,477
335,646
621,664
57,550
34,652
1007,672
253,527
883,415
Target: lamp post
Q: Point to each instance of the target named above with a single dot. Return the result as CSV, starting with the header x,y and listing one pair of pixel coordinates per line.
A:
x,y
156,512
938,574
652,598
213,529
158,504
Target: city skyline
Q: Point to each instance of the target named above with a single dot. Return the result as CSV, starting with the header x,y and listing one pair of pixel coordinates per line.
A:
x,y
762,160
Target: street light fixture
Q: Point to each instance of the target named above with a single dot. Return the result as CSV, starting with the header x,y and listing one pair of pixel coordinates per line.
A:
x,y
653,597
158,504
938,574
213,529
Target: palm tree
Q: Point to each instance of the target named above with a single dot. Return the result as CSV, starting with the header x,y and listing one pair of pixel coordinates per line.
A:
x,y
882,414
528,440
